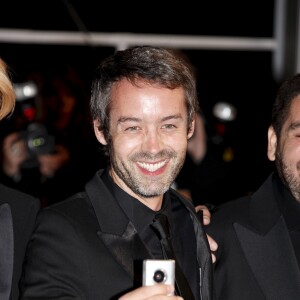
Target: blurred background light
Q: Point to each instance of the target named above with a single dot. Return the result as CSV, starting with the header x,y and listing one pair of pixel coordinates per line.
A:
x,y
224,111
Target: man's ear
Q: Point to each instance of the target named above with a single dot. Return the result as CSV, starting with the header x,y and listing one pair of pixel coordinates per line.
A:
x,y
99,133
191,129
272,143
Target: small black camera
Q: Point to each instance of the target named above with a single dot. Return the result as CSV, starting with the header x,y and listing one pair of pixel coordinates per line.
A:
x,y
35,135
38,141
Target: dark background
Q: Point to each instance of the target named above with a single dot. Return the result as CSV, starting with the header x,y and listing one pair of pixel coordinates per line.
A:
x,y
243,78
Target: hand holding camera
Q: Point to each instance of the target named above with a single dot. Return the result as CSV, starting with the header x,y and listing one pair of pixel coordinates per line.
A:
x,y
30,149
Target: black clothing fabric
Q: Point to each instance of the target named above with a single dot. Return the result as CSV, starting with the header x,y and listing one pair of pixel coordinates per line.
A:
x,y
90,248
162,228
290,210
17,216
182,237
256,256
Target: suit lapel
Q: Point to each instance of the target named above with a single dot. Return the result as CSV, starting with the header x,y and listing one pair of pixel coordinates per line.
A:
x,y
116,231
266,255
267,247
128,249
6,251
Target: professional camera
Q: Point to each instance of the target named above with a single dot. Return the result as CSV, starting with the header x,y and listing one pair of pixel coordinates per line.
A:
x,y
35,135
37,139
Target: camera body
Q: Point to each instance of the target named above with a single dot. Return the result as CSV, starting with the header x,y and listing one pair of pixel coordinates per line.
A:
x,y
34,134
158,271
37,141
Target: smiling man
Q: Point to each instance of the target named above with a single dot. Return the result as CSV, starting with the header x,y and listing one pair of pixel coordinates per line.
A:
x,y
92,245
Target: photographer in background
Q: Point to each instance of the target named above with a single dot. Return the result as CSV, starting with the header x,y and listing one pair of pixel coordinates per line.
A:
x,y
33,159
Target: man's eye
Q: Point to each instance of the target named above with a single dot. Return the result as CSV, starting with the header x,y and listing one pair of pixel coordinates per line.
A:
x,y
132,129
169,126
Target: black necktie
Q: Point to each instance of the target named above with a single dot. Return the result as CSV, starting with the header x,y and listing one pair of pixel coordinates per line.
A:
x,y
161,226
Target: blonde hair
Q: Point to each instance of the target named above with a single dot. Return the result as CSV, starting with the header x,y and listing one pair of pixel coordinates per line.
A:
x,y
7,93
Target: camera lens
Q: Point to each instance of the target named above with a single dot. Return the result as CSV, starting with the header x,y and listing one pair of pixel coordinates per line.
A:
x,y
159,276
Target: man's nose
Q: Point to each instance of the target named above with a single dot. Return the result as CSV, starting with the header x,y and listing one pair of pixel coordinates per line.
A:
x,y
152,141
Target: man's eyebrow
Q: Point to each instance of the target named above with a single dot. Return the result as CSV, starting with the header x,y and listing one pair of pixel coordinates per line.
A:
x,y
128,119
134,119
177,116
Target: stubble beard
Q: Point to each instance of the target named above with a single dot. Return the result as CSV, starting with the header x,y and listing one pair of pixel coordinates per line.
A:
x,y
148,186
291,181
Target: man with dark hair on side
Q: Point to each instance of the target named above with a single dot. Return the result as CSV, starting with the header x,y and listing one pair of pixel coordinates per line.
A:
x,y
90,246
258,236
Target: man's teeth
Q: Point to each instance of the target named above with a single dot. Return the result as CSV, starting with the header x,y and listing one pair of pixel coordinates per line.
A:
x,y
151,167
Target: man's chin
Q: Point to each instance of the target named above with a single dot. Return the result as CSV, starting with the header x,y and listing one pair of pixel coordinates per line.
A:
x,y
151,193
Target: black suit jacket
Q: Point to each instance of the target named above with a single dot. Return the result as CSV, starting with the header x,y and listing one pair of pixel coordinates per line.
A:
x,y
255,258
17,216
85,248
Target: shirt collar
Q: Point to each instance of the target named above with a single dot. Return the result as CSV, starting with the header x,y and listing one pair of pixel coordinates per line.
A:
x,y
138,213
